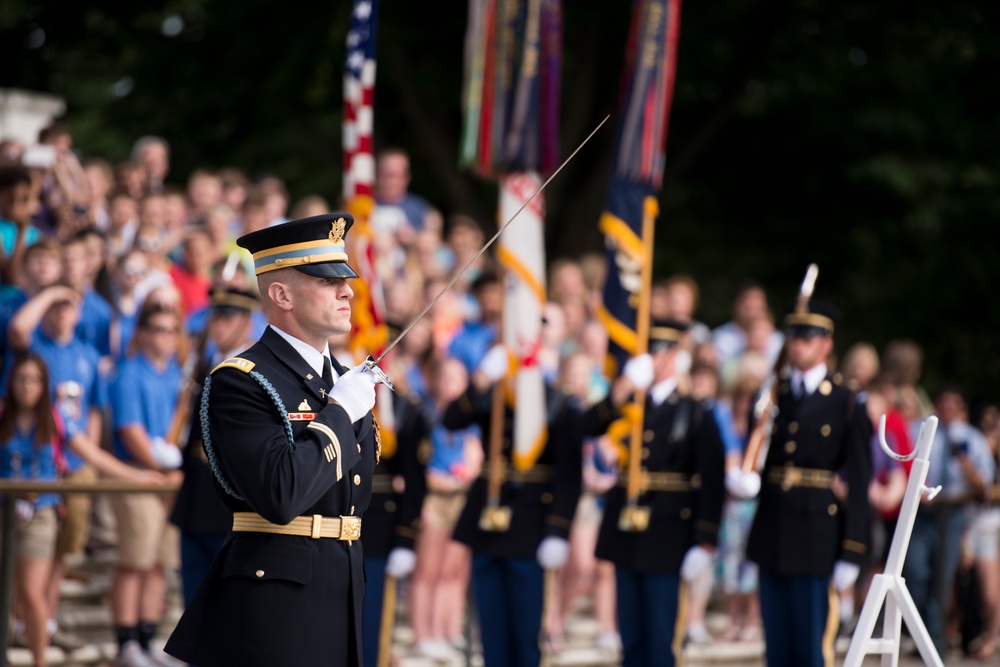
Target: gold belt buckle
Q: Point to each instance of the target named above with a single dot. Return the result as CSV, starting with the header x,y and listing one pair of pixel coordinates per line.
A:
x,y
793,477
495,519
350,528
633,519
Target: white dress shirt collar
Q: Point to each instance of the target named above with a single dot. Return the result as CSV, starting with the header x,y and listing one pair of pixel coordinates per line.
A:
x,y
310,354
811,378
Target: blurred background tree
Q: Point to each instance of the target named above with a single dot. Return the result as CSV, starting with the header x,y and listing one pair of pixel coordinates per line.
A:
x,y
862,136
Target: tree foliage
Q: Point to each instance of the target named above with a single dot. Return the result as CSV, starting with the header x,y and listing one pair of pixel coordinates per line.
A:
x,y
862,136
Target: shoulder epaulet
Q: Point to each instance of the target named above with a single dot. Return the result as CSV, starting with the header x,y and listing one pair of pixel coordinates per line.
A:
x,y
238,363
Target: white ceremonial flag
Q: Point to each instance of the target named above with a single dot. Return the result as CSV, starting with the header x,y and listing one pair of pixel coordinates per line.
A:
x,y
521,253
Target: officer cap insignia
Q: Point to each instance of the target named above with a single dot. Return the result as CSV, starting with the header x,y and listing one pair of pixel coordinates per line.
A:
x,y
336,234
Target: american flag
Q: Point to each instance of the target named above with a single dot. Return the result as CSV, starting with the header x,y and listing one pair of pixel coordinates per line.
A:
x,y
359,97
370,333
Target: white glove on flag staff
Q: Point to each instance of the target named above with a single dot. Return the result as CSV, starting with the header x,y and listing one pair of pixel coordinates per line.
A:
x,y
742,485
355,392
400,563
553,552
495,363
844,574
696,561
165,455
639,371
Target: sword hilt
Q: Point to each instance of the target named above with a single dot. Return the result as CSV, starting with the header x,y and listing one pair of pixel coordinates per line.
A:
x,y
373,366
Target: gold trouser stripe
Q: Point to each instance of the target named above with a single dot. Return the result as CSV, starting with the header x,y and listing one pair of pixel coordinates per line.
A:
x,y
347,528
680,625
832,624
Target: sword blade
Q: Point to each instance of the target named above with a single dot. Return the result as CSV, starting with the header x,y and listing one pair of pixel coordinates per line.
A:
x,y
458,275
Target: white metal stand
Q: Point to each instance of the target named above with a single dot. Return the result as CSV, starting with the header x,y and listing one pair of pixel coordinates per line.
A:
x,y
889,587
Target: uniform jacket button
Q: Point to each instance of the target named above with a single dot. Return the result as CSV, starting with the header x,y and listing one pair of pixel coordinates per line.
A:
x,y
260,574
357,480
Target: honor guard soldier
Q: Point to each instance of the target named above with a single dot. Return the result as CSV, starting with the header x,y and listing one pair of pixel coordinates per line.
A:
x,y
203,519
392,520
292,443
807,544
668,534
523,528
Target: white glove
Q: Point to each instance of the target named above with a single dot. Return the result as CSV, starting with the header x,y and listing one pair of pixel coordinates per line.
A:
x,y
401,562
742,485
552,553
639,371
355,392
165,455
696,560
495,363
25,510
844,574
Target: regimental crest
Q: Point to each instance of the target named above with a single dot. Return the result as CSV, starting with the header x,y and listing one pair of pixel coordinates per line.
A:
x,y
336,234
304,406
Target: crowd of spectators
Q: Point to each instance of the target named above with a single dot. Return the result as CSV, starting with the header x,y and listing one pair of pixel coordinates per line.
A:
x,y
105,275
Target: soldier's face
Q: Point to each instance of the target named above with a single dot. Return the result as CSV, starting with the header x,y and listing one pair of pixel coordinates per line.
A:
x,y
323,305
808,352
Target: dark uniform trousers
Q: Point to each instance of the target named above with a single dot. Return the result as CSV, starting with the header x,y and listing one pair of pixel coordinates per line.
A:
x,y
506,578
801,529
684,464
393,518
200,515
278,449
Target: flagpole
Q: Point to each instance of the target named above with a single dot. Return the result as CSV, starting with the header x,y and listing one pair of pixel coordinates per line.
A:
x,y
634,481
494,517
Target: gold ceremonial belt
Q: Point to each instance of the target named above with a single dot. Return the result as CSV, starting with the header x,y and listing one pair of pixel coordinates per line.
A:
x,y
538,474
665,481
345,528
791,476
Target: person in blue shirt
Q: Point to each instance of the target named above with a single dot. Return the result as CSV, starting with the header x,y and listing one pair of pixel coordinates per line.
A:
x,y
46,325
475,338
29,449
18,202
96,313
41,266
144,399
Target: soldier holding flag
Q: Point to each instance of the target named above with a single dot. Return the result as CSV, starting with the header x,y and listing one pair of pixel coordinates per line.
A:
x,y
667,534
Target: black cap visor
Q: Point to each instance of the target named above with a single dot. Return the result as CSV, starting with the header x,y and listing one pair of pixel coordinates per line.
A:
x,y
805,331
328,270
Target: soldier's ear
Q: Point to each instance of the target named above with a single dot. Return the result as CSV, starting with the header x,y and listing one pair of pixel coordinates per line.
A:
x,y
280,295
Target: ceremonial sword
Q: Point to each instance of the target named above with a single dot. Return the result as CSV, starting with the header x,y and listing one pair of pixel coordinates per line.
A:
x,y
372,363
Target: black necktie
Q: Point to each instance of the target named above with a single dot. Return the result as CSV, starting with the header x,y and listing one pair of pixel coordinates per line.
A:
x,y
802,389
327,372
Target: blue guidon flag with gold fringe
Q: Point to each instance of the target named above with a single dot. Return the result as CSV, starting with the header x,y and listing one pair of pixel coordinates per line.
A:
x,y
511,103
638,163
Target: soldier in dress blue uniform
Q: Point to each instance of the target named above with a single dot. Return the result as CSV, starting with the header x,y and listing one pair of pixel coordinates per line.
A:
x,y
203,519
392,521
680,502
530,533
807,544
293,446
